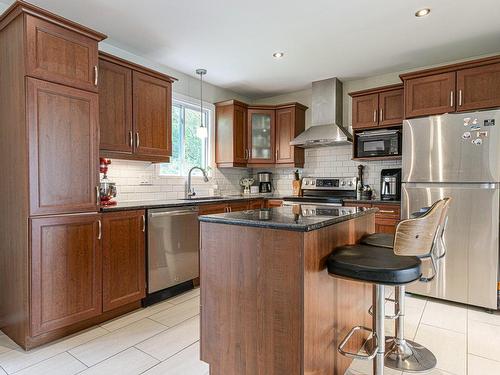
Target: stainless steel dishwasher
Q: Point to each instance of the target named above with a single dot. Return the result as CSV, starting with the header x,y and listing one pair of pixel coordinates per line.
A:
x,y
173,247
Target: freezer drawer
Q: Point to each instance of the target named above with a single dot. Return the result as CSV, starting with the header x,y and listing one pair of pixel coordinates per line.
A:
x,y
469,271
173,247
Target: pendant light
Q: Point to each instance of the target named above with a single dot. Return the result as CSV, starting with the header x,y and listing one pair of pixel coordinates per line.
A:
x,y
202,131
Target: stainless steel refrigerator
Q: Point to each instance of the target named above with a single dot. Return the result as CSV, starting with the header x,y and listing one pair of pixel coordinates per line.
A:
x,y
458,155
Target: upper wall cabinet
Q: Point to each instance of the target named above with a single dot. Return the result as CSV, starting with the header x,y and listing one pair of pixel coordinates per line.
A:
x,y
261,135
58,54
231,134
467,86
258,135
381,106
135,111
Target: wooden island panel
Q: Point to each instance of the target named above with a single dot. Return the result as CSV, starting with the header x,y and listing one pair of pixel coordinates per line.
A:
x,y
268,305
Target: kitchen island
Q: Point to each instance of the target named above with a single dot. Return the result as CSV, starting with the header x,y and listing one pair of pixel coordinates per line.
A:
x,y
268,305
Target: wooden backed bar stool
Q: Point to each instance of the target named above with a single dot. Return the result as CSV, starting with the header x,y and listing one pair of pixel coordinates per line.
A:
x,y
383,266
404,354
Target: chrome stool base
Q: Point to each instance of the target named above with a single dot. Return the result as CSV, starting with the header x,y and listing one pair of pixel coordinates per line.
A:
x,y
408,356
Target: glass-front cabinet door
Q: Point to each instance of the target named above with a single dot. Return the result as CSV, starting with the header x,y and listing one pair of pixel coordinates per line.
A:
x,y
261,136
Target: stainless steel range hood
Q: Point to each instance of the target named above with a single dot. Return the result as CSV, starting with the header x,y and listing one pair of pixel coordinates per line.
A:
x,y
326,122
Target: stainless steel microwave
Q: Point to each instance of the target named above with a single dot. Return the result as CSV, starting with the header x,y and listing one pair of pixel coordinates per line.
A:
x,y
376,143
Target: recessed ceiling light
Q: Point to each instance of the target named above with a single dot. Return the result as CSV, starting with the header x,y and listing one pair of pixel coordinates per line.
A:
x,y
278,55
422,12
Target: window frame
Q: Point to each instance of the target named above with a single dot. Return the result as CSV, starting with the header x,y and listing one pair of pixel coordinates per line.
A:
x,y
194,103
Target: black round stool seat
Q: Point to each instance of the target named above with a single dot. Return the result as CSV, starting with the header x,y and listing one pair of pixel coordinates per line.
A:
x,y
379,239
372,264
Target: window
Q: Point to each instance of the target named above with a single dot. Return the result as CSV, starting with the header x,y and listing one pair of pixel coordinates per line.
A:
x,y
187,149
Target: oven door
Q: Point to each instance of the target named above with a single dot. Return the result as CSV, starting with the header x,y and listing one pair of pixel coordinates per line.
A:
x,y
378,143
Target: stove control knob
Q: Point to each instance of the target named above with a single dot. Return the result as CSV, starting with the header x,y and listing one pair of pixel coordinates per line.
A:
x,y
350,183
307,182
313,182
342,183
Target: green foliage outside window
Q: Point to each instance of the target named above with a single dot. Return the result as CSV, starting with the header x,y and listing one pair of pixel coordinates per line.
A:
x,y
187,149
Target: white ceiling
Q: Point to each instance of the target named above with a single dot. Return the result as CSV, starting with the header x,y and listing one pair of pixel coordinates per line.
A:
x,y
235,39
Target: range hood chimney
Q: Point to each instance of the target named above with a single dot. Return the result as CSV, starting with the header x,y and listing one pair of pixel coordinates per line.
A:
x,y
326,123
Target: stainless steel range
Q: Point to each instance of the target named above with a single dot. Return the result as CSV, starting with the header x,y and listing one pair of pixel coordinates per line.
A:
x,y
325,191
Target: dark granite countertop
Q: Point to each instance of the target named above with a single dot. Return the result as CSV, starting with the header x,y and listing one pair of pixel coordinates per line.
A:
x,y
147,204
373,201
292,218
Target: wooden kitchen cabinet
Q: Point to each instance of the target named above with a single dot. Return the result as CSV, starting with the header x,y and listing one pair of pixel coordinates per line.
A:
x,y
124,258
135,111
258,135
391,107
365,111
231,148
430,95
261,135
57,54
209,209
377,107
63,148
478,88
115,108
65,263
152,115
270,203
386,219
238,206
256,204
467,86
290,122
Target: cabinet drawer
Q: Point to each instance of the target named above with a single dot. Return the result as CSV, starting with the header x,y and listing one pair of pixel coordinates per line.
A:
x,y
208,209
388,211
57,54
256,204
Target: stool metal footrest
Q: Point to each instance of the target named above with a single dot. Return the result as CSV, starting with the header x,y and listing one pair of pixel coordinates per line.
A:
x,y
346,339
389,317
408,356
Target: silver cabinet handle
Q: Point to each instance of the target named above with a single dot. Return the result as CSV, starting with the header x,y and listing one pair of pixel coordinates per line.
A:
x,y
386,212
381,115
96,75
375,116
143,223
131,138
99,232
137,140
97,195
459,98
246,154
276,154
451,98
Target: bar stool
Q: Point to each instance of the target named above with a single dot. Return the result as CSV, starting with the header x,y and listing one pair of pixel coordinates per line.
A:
x,y
404,354
382,266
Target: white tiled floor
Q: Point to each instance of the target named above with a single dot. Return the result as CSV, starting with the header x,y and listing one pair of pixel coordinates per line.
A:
x,y
164,340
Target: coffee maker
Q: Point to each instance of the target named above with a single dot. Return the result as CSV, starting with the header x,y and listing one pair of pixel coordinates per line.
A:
x,y
390,184
265,182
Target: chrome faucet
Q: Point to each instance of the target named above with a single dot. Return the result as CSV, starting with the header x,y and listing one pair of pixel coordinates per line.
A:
x,y
190,191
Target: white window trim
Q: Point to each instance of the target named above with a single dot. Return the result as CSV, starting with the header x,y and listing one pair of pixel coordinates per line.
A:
x,y
211,137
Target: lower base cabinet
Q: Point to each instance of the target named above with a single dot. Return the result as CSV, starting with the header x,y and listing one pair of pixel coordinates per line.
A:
x,y
386,219
124,258
66,271
83,266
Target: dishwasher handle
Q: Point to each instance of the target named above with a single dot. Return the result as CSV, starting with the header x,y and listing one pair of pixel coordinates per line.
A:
x,y
173,213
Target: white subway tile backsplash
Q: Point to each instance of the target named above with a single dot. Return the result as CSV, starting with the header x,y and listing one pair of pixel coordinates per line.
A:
x,y
334,161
